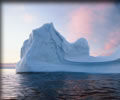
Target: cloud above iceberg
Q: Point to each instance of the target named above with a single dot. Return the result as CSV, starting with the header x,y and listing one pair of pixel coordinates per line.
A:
x,y
82,20
80,23
114,40
97,23
28,18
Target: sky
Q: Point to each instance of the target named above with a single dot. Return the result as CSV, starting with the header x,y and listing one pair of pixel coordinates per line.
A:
x,y
99,23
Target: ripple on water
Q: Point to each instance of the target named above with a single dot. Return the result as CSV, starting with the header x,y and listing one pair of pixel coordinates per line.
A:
x,y
60,86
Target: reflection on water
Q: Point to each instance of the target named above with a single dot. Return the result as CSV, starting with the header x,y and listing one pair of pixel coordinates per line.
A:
x,y
60,86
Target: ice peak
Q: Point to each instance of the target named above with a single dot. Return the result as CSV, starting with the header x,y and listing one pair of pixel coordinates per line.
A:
x,y
48,25
82,41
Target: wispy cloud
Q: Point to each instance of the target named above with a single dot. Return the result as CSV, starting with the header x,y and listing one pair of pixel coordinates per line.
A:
x,y
80,23
28,18
94,22
82,20
114,40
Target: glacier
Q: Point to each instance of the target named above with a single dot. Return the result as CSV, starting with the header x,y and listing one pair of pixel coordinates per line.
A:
x,y
47,50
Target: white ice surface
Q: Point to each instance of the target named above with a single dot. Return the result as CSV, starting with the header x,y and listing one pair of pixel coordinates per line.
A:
x,y
47,50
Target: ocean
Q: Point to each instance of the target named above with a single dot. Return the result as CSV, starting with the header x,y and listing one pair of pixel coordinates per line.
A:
x,y
59,86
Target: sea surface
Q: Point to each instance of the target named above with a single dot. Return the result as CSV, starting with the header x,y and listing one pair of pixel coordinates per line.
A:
x,y
59,86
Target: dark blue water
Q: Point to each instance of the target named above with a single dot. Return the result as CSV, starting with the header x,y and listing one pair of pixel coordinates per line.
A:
x,y
60,86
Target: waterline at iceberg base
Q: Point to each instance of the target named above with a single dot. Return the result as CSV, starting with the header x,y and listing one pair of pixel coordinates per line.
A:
x,y
47,51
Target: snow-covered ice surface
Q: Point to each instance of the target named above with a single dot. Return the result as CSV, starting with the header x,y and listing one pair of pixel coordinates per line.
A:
x,y
47,50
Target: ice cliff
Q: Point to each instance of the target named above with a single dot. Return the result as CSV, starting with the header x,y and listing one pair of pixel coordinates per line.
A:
x,y
47,50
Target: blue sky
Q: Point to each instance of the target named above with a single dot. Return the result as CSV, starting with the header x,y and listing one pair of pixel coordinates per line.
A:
x,y
99,23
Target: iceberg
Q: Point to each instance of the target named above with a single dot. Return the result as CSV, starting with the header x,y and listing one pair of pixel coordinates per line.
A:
x,y
47,50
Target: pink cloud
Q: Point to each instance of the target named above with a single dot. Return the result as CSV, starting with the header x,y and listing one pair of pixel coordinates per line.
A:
x,y
28,18
80,24
108,46
101,53
114,40
82,20
105,53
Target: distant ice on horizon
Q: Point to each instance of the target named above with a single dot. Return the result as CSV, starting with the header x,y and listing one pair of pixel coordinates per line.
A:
x,y
48,50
